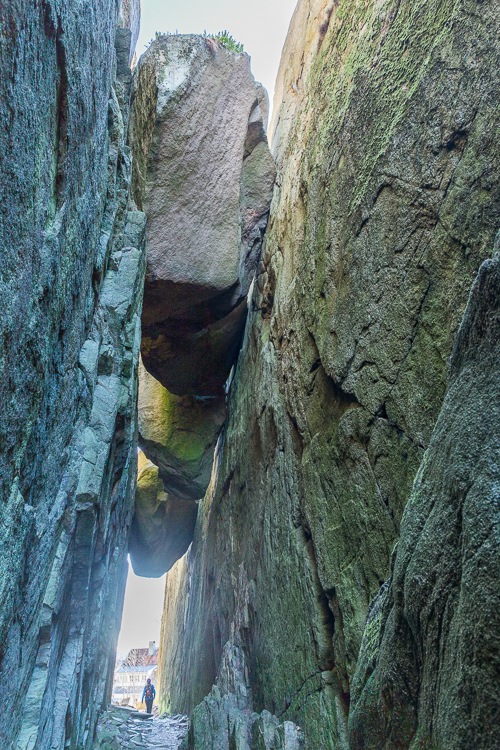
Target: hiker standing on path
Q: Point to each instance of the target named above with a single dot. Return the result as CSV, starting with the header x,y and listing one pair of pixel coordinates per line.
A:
x,y
148,695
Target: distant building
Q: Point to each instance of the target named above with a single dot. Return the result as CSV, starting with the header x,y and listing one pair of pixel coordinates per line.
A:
x,y
131,675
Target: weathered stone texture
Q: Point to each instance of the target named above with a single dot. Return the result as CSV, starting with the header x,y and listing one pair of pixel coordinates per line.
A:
x,y
387,202
73,265
224,720
220,723
430,672
204,176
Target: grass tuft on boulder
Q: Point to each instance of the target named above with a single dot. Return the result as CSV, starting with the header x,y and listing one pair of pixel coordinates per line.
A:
x,y
227,41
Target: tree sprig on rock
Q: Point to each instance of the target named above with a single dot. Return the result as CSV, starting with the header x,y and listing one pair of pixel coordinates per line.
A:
x,y
223,38
227,41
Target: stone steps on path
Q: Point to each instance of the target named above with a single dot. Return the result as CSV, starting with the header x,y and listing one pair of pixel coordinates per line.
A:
x,y
122,728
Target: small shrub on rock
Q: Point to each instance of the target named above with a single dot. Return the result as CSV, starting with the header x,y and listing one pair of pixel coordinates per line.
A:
x,y
226,40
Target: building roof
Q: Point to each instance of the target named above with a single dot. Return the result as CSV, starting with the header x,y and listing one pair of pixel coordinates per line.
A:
x,y
140,657
146,668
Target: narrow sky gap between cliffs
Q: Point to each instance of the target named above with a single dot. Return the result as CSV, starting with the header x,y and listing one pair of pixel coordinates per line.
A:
x,y
142,611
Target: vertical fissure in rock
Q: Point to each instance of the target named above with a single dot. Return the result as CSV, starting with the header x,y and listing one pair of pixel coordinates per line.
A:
x,y
331,644
62,120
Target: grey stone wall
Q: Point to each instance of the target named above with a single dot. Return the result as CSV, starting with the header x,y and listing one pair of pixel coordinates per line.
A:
x,y
72,269
429,663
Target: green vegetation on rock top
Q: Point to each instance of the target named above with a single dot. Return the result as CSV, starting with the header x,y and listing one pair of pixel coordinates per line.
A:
x,y
227,41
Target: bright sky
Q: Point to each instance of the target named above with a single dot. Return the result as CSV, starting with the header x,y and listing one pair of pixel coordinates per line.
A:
x,y
142,612
260,25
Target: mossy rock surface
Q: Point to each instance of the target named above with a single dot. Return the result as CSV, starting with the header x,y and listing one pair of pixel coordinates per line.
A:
x,y
179,434
387,203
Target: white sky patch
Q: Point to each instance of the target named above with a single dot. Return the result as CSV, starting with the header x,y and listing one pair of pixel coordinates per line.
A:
x,y
141,621
260,25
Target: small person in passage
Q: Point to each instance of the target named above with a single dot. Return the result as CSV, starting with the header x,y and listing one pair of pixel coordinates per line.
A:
x,y
149,696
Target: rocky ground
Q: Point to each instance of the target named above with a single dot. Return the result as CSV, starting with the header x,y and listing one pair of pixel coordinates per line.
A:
x,y
122,727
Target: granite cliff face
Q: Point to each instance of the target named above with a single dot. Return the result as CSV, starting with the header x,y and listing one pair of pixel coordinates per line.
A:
x,y
73,265
387,202
429,662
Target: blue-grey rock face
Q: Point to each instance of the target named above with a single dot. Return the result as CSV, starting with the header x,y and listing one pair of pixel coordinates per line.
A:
x,y
71,295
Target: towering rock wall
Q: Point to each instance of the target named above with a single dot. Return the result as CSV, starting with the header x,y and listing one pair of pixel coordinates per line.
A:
x,y
387,202
72,274
430,658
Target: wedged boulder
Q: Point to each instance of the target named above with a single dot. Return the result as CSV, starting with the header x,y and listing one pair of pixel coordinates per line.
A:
x,y
162,526
129,22
190,361
204,176
178,434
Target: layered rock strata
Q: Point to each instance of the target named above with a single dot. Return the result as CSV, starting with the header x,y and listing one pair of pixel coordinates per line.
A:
x,y
204,176
73,265
387,202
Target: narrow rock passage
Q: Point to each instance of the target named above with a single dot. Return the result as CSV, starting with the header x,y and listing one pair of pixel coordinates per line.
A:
x,y
126,728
